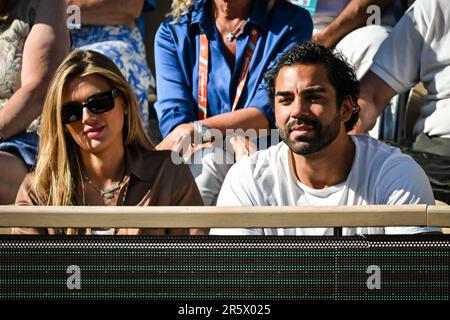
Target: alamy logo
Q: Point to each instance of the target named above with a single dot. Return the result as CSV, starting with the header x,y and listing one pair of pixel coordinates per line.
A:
x,y
74,17
74,280
374,280
375,15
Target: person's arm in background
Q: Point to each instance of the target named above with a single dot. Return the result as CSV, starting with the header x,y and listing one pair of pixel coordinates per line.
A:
x,y
108,12
374,96
45,47
352,17
397,64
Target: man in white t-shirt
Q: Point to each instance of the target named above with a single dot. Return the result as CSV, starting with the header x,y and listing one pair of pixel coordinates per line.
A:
x,y
314,94
416,51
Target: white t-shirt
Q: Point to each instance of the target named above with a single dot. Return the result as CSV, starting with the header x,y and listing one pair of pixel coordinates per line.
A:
x,y
380,174
418,49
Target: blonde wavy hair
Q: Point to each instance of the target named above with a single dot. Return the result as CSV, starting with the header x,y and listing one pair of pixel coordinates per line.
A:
x,y
57,175
182,7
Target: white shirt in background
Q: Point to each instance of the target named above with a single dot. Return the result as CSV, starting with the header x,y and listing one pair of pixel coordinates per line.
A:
x,y
418,49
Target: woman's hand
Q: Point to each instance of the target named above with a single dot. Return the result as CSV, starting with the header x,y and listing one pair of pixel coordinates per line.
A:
x,y
179,139
242,146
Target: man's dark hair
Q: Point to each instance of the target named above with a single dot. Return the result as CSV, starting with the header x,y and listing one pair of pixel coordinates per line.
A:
x,y
341,75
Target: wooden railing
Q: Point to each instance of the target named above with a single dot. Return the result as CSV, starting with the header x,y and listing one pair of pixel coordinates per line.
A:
x,y
225,217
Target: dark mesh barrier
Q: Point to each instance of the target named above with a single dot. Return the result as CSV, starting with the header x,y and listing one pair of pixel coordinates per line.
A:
x,y
213,268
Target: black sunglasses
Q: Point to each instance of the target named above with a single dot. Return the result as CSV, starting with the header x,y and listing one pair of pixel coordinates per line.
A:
x,y
98,103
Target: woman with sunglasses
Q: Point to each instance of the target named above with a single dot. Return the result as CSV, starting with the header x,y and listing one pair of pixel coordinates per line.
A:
x,y
94,151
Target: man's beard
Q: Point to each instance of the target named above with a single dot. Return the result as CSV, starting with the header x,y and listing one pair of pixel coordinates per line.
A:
x,y
322,136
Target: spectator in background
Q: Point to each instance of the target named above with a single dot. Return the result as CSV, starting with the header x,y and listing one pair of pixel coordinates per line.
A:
x,y
108,26
315,93
351,27
212,40
349,30
417,51
344,24
33,41
94,150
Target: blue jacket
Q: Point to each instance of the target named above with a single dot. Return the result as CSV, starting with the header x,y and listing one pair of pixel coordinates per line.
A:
x,y
177,56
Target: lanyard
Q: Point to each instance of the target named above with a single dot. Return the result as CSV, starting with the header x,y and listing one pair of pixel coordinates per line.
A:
x,y
203,72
